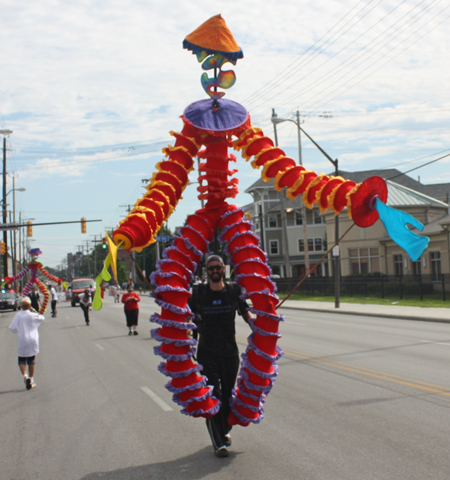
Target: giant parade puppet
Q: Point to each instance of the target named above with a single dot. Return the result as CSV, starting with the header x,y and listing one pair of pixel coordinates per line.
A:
x,y
33,268
211,127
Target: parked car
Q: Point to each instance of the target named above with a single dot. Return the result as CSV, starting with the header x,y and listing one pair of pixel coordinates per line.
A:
x,y
9,301
78,286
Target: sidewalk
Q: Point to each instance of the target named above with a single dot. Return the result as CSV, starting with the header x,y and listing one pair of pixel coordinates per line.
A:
x,y
391,311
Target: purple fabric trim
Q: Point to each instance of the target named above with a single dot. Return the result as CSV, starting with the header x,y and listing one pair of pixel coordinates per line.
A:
x,y
185,373
193,386
238,234
168,288
172,357
266,291
261,353
277,318
190,246
201,412
155,318
238,401
177,342
242,418
228,227
208,394
256,329
243,375
178,250
251,368
251,248
170,260
172,308
240,277
230,212
243,392
163,275
255,260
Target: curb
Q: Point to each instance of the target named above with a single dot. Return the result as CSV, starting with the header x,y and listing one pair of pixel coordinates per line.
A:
x,y
367,314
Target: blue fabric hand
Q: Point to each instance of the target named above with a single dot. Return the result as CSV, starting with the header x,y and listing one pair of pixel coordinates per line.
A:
x,y
395,223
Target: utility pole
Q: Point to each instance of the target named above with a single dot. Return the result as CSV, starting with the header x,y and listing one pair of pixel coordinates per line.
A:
x,y
304,221
287,264
5,233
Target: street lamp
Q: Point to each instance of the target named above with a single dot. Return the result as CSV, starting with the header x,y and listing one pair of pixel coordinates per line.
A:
x,y
275,120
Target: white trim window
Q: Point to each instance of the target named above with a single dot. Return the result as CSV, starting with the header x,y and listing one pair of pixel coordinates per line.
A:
x,y
435,262
398,265
364,260
274,248
273,221
314,244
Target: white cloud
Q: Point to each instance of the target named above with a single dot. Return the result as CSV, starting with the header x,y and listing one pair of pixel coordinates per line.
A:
x,y
94,75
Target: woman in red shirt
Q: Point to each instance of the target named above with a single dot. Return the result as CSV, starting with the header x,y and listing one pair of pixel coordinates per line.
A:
x,y
131,299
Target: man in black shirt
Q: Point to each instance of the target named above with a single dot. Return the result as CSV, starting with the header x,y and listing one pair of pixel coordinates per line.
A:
x,y
214,305
35,300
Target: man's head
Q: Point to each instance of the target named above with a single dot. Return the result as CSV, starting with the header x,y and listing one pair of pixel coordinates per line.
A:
x,y
86,293
25,303
215,268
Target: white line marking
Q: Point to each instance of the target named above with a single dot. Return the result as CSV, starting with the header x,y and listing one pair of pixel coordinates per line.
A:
x,y
157,400
436,343
99,346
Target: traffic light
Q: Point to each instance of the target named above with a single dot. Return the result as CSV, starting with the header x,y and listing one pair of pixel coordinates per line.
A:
x,y
2,248
104,243
29,229
83,225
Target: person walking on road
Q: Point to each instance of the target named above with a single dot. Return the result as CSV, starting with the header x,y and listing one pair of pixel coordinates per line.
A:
x,y
35,299
85,304
25,324
131,307
215,305
54,300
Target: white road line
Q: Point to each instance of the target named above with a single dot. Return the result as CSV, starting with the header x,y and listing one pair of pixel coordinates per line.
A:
x,y
436,343
99,346
157,400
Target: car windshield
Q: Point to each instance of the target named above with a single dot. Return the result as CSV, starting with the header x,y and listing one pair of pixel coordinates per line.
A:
x,y
82,284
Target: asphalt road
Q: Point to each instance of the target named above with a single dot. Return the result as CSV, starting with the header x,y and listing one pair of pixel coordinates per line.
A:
x,y
357,398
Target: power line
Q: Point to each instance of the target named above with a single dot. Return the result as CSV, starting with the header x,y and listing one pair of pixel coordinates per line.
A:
x,y
420,166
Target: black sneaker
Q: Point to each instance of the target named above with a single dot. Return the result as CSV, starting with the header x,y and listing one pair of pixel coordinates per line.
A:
x,y
217,441
227,440
135,333
130,333
221,452
28,384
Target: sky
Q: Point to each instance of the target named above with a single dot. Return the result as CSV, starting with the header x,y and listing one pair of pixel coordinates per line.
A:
x,y
91,90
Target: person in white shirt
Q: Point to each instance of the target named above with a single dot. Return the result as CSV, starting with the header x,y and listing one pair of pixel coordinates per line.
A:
x,y
25,324
54,300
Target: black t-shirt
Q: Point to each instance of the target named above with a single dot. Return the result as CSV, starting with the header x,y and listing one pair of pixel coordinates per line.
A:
x,y
34,297
215,317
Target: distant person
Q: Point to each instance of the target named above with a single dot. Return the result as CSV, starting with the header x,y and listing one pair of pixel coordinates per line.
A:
x,y
91,292
131,307
53,300
68,294
85,304
117,294
26,324
35,299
